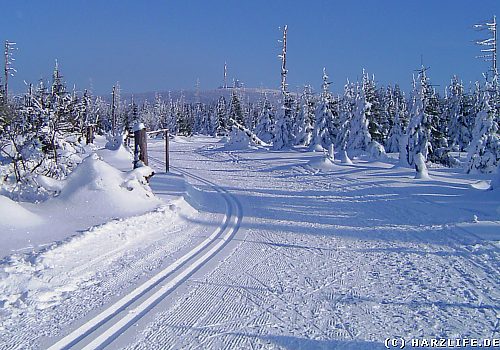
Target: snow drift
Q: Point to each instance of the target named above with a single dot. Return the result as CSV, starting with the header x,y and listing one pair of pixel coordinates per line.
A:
x,y
98,188
13,215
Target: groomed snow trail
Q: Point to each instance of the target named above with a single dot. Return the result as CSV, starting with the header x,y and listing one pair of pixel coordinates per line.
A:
x,y
115,319
76,277
334,259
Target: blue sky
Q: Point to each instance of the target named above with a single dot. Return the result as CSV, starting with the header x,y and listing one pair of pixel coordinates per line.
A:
x,y
161,45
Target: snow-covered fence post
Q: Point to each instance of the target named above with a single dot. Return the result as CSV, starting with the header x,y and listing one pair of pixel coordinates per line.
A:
x,y
167,157
141,146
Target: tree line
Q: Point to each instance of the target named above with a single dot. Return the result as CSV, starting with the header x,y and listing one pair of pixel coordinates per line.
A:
x,y
42,129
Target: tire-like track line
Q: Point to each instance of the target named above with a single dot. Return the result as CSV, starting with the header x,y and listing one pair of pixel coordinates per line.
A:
x,y
111,322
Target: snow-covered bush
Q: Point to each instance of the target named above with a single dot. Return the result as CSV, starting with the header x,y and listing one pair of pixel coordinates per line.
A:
x,y
237,139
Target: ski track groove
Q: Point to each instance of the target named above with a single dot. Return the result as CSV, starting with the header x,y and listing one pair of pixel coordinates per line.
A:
x,y
83,301
187,268
233,307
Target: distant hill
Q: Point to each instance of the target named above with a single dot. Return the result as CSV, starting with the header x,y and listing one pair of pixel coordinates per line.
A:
x,y
205,96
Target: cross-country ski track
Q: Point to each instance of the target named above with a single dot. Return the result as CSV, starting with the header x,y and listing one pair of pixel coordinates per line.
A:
x,y
326,256
111,322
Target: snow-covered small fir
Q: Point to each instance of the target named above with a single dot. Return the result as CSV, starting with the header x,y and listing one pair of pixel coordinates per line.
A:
x,y
484,150
265,124
323,134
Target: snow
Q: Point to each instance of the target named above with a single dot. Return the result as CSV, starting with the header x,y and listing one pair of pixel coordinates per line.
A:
x,y
94,193
322,163
13,215
495,183
139,126
120,158
251,248
317,148
109,190
237,140
422,172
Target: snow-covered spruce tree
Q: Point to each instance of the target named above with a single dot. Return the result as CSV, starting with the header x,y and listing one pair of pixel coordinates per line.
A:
x,y
249,117
484,150
199,125
206,125
57,117
283,136
324,131
418,134
346,112
235,110
305,118
184,118
373,111
130,119
213,121
171,116
439,152
147,116
398,121
99,112
459,132
388,111
160,110
221,116
85,111
41,135
359,135
265,125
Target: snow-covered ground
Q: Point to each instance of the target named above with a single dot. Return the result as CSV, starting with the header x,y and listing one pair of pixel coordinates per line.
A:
x,y
253,248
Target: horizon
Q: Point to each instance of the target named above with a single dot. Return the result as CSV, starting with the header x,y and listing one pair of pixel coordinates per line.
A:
x,y
156,47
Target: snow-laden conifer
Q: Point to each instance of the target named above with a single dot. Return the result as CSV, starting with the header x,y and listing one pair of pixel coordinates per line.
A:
x,y
484,150
265,124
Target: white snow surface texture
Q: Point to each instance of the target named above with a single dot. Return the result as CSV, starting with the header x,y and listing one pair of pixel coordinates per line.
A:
x,y
323,255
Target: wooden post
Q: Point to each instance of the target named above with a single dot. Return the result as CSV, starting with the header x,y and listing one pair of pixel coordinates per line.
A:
x,y
90,134
141,145
167,156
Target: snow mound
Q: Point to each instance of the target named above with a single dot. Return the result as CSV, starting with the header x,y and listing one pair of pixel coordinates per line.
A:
x,y
344,158
13,215
97,187
481,185
421,168
238,140
322,163
120,157
49,183
376,150
317,148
